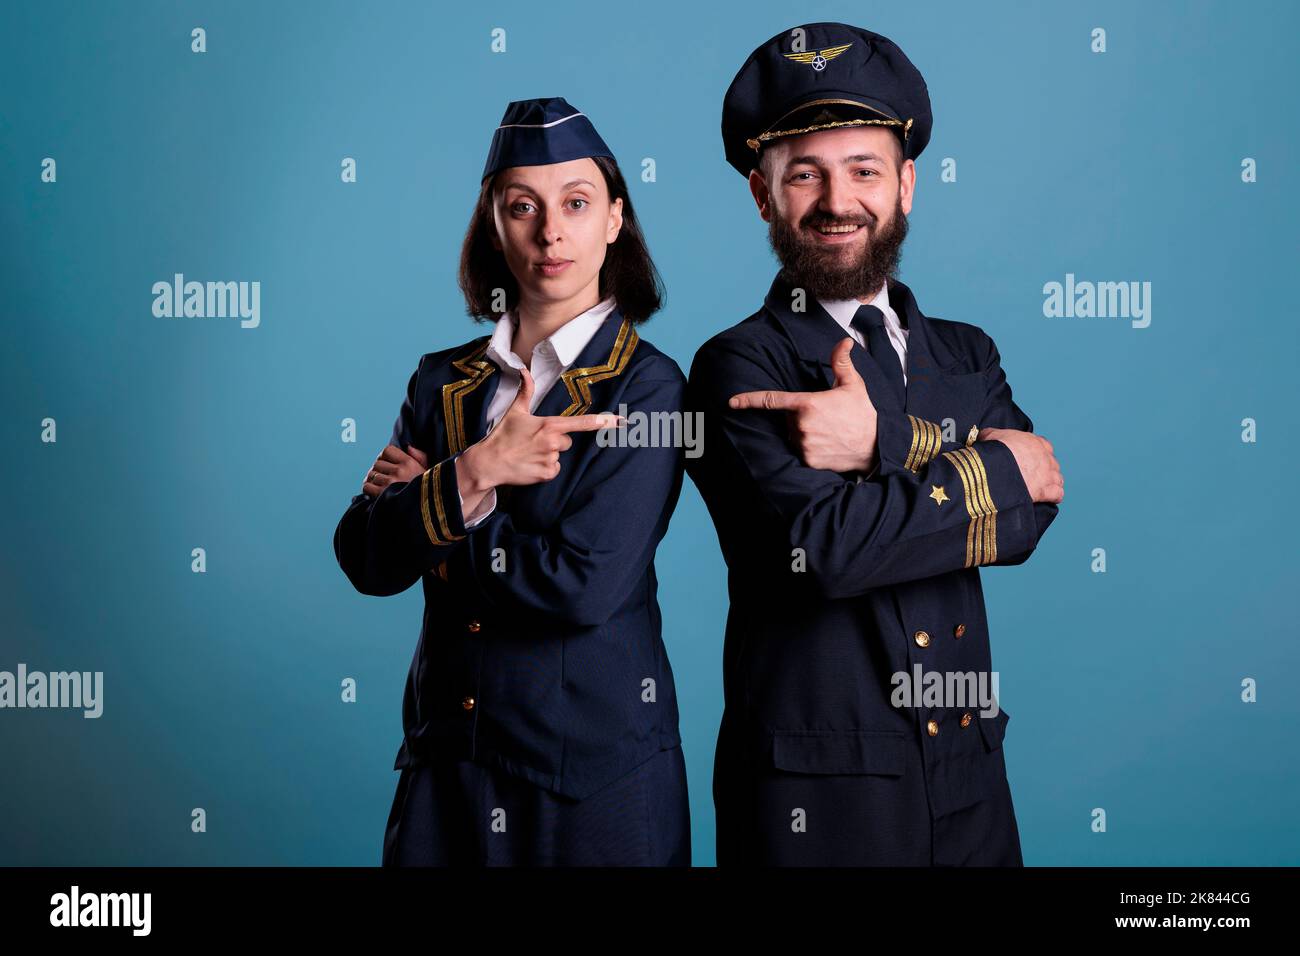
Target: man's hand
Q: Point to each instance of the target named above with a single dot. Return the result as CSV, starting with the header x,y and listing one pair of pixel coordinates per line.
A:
x,y
1038,465
522,448
834,429
392,465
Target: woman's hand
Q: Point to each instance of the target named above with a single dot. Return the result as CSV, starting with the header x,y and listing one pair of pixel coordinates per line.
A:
x,y
523,448
392,465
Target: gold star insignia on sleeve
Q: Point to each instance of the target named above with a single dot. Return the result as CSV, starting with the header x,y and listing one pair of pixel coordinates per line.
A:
x,y
938,495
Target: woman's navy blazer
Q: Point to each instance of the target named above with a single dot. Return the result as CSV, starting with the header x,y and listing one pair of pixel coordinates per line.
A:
x,y
540,649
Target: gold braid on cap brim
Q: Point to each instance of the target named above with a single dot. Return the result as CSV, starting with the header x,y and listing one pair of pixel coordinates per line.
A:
x,y
762,138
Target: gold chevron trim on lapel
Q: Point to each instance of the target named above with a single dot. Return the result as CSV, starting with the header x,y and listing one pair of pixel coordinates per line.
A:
x,y
927,439
478,369
982,534
579,380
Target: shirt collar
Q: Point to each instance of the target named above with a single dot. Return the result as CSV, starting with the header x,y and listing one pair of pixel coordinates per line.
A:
x,y
567,342
843,310
572,337
498,349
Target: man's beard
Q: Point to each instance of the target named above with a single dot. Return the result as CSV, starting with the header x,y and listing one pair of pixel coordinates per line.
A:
x,y
824,272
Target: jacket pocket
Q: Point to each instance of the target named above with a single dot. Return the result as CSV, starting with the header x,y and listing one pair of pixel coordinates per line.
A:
x,y
993,729
839,751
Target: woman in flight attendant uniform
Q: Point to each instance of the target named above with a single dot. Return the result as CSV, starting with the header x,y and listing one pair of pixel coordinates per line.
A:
x,y
540,714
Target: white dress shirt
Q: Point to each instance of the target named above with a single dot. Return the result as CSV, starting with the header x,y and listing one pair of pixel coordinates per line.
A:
x,y
843,310
553,355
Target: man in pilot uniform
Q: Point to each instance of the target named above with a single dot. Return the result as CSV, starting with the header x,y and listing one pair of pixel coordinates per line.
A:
x,y
865,460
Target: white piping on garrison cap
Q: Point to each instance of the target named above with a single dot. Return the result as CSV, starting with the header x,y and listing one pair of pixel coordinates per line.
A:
x,y
563,119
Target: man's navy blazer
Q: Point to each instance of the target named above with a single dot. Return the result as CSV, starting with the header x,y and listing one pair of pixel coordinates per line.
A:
x,y
837,584
540,650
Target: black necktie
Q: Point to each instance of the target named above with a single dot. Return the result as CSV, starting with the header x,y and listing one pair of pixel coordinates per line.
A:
x,y
870,321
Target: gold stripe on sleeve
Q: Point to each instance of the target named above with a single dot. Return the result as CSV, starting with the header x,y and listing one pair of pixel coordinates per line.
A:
x,y
437,503
424,509
981,535
927,439
916,440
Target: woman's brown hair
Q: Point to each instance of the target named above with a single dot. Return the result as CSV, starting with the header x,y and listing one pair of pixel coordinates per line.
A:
x,y
628,273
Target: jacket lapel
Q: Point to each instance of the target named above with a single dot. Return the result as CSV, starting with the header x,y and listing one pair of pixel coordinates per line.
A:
x,y
465,398
939,386
935,388
579,390
815,335
474,379
604,357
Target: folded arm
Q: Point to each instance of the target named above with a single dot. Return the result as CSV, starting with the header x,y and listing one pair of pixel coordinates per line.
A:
x,y
958,508
906,442
385,543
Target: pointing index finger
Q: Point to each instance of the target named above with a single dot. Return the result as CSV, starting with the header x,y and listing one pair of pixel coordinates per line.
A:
x,y
767,398
584,423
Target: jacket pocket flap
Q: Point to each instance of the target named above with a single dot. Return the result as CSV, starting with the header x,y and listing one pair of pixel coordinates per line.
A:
x,y
839,751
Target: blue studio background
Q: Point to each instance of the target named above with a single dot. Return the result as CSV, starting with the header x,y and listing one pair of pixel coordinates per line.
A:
x,y
222,689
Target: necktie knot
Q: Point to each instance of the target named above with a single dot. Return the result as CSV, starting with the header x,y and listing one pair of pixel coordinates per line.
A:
x,y
868,317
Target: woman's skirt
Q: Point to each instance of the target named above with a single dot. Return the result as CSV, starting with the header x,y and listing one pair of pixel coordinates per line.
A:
x,y
449,812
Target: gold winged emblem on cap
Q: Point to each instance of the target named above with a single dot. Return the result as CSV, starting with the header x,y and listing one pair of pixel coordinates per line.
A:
x,y
817,60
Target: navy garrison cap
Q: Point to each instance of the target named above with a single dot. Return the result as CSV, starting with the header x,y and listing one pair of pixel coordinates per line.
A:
x,y
823,76
540,132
